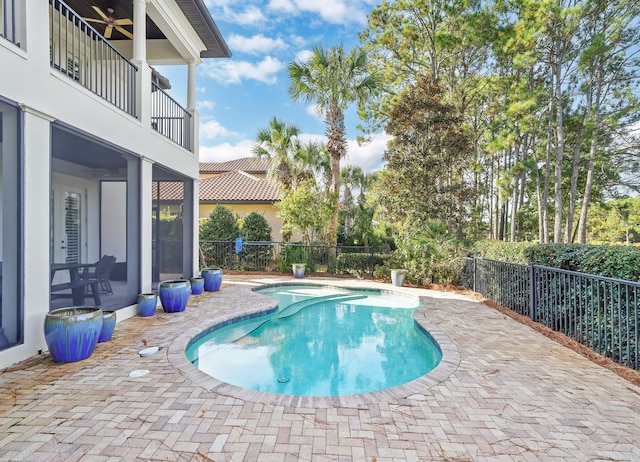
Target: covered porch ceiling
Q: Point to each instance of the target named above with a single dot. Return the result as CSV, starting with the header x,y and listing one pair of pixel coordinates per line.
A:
x,y
114,20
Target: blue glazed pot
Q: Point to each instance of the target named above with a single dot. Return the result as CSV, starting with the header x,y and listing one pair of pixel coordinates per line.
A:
x,y
108,325
212,279
147,304
72,333
174,295
197,286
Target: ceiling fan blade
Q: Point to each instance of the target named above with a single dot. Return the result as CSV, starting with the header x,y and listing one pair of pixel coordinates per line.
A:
x,y
123,22
99,11
108,31
99,21
124,32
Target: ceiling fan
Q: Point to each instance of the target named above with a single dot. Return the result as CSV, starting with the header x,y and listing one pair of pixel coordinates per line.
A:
x,y
111,22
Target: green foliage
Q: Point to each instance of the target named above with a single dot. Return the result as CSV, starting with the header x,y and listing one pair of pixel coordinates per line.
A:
x,y
430,255
622,262
221,225
294,253
305,210
423,177
255,227
513,252
358,264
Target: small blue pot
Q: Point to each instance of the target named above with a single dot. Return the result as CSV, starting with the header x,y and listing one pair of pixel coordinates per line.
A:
x,y
174,295
108,325
72,333
212,279
197,286
147,304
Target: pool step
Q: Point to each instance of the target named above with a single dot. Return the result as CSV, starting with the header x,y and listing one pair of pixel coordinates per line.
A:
x,y
249,327
301,306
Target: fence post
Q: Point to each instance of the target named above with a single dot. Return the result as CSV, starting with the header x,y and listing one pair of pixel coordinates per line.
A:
x,y
474,273
372,268
230,255
532,292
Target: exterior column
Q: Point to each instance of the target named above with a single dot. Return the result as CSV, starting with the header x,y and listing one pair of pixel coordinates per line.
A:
x,y
146,231
36,212
143,76
139,31
191,86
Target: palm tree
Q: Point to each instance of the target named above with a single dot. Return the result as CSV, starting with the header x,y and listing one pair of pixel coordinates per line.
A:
x,y
279,142
332,79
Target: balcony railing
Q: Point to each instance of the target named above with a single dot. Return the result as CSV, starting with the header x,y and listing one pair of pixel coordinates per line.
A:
x,y
8,20
84,55
170,119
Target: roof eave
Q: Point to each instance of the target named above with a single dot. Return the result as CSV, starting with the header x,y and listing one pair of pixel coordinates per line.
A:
x,y
208,31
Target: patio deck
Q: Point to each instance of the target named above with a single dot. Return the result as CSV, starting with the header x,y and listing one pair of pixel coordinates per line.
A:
x,y
515,395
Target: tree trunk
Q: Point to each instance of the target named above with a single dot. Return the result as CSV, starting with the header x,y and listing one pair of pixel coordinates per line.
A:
x,y
560,141
336,147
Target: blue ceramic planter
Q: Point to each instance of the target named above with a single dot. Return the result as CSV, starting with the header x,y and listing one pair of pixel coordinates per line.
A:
x,y
72,333
108,325
174,295
197,286
212,279
147,304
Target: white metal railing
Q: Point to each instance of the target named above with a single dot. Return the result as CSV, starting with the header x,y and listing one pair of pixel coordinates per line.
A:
x,y
8,28
170,119
84,55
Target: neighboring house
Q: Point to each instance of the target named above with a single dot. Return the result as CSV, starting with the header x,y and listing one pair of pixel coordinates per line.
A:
x,y
86,134
241,186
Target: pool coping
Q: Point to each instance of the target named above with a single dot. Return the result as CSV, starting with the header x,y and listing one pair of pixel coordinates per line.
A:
x,y
264,304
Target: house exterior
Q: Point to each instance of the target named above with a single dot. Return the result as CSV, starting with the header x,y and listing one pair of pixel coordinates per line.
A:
x,y
240,185
87,133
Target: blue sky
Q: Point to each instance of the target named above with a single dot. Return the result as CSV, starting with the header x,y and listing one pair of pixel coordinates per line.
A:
x,y
238,96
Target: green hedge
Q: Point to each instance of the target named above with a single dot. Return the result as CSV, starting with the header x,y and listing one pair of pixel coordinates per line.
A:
x,y
358,264
616,261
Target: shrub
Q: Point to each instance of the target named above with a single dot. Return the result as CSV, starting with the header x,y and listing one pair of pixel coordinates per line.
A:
x,y
255,257
358,264
294,253
220,226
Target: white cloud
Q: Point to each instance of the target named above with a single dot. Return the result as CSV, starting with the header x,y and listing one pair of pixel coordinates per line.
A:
x,y
212,129
303,55
226,151
227,72
256,45
223,10
333,11
205,104
314,111
368,156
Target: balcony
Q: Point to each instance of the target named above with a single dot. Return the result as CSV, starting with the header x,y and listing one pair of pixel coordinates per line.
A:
x,y
170,119
84,55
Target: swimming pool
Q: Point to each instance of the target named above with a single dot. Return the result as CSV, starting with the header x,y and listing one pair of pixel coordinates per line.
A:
x,y
322,341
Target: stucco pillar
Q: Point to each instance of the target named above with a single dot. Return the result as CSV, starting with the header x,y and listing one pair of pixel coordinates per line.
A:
x,y
146,223
191,86
139,31
36,212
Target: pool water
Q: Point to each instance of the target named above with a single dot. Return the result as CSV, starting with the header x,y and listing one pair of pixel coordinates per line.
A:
x,y
321,342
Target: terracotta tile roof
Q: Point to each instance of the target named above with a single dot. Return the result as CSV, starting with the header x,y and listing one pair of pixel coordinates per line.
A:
x,y
169,191
246,164
237,186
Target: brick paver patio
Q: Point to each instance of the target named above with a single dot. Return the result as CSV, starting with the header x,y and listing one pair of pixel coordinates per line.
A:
x,y
506,393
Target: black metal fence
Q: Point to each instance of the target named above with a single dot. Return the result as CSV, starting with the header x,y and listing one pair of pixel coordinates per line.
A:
x,y
278,256
599,312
